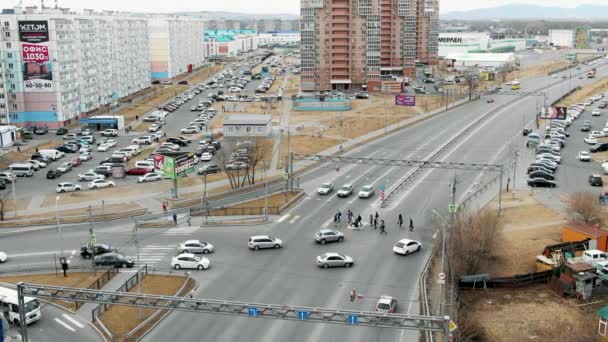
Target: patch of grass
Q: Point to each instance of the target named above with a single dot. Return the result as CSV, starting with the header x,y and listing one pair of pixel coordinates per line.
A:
x,y
581,95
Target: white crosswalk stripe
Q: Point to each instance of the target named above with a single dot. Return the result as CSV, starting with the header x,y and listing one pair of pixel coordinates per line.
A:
x,y
65,325
283,218
75,322
181,231
151,254
294,219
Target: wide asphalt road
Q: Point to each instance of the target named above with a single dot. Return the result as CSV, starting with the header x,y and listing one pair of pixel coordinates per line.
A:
x,y
289,275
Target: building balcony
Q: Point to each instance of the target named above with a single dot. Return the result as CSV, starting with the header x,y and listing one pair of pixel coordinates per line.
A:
x,y
340,35
339,11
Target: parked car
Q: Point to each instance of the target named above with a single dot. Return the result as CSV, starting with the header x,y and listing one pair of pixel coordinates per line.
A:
x,y
328,235
334,260
61,131
584,156
596,180
52,174
90,176
114,259
138,171
541,182
65,167
67,187
150,177
208,169
187,260
110,132
100,183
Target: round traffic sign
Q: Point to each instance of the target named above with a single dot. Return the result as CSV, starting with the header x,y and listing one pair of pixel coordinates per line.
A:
x,y
441,276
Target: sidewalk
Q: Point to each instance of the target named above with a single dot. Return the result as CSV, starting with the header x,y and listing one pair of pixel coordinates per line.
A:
x,y
85,311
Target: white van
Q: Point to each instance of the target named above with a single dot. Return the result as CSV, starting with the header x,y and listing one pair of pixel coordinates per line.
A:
x,y
135,149
21,170
53,154
9,307
145,164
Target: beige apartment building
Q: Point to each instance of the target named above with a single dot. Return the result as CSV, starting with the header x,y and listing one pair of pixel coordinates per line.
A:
x,y
358,44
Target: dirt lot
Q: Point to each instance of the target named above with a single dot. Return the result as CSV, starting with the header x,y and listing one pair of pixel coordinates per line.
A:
x,y
26,153
122,319
528,226
530,314
598,86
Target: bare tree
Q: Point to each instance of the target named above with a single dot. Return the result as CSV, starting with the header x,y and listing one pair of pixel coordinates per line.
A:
x,y
584,206
4,197
258,152
471,240
223,159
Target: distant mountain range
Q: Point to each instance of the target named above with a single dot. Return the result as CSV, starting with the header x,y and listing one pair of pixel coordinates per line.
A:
x,y
523,11
237,15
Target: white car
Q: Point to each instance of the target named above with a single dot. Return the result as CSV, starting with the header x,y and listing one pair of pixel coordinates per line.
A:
x,y
171,146
553,157
206,156
153,128
596,134
90,176
146,140
406,246
84,156
37,162
591,140
3,257
190,130
345,190
103,147
325,188
366,191
235,90
67,187
110,142
584,156
596,113
196,246
100,183
85,148
187,260
605,168
150,177
386,304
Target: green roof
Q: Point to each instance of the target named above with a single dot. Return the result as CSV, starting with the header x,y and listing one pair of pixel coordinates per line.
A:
x,y
224,35
603,312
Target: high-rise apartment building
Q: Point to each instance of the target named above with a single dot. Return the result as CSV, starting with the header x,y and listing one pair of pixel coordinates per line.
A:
x,y
176,45
56,65
352,44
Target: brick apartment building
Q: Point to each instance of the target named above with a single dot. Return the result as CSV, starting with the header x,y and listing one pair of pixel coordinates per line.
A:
x,y
356,44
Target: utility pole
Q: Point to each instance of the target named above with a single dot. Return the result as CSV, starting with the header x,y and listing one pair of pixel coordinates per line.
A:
x,y
265,194
139,276
57,222
514,171
92,238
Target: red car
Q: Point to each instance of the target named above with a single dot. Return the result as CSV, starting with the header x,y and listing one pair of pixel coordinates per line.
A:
x,y
76,162
138,171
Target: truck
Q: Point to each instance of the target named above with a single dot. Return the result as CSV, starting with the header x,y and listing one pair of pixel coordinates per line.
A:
x,y
591,73
9,306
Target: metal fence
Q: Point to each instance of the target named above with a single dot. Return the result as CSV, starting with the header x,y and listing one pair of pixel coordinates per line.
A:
x,y
235,211
125,287
520,280
67,219
105,277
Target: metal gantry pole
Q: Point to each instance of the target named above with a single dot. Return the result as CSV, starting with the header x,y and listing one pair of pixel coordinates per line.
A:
x,y
514,171
22,319
14,194
58,225
265,194
500,189
206,200
139,280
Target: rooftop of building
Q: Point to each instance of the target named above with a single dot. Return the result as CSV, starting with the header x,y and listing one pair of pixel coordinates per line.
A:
x,y
247,119
482,57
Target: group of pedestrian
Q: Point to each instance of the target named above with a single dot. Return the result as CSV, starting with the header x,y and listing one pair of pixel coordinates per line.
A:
x,y
375,220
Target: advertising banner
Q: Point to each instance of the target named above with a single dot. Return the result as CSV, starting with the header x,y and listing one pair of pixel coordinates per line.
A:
x,y
405,100
174,165
37,65
554,113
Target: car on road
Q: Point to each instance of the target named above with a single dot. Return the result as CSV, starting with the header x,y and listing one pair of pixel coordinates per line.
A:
x,y
85,149
345,190
195,246
150,177
366,191
61,131
100,183
41,130
334,260
103,147
549,157
3,257
65,167
190,130
325,188
170,146
584,156
206,156
67,187
596,180
138,171
7,176
596,134
541,182
52,174
596,112
208,169
585,127
76,162
110,132
37,164
188,260
90,250
113,259
145,140
386,304
406,246
236,166
90,176
105,170
328,235
264,241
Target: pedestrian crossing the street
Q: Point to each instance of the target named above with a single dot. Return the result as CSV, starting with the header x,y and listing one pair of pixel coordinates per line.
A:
x,y
181,231
152,254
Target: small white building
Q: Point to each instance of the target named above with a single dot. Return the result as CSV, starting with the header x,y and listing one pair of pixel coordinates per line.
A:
x,y
8,135
493,60
247,125
561,38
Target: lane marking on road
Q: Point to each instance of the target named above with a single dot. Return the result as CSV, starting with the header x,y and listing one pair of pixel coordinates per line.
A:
x,y
65,325
294,219
327,223
318,199
75,322
20,255
283,218
157,248
347,177
308,198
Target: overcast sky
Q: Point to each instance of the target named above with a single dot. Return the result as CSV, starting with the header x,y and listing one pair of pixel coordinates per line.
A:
x,y
261,6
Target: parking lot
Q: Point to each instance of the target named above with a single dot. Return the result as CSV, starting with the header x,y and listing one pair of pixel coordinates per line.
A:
x,y
180,118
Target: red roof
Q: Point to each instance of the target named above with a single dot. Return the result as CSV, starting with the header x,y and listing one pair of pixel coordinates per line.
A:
x,y
588,229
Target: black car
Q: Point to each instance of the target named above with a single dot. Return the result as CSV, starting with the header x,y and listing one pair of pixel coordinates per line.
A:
x,y
41,130
52,174
30,130
113,259
183,82
526,131
585,128
210,168
61,131
216,144
199,151
542,174
541,182
220,92
596,180
89,251
598,148
156,82
67,149
177,141
40,157
536,167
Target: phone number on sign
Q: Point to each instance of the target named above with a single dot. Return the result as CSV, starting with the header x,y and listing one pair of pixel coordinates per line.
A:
x,y
39,85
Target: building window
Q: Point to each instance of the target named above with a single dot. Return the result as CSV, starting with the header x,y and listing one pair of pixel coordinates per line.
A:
x,y
6,24
12,86
7,34
8,45
248,129
14,106
10,65
259,129
229,129
9,55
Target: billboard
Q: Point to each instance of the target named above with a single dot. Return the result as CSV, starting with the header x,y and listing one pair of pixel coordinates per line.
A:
x,y
37,66
174,165
554,113
405,100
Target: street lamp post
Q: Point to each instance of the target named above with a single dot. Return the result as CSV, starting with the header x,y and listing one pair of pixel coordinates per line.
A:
x,y
57,222
442,285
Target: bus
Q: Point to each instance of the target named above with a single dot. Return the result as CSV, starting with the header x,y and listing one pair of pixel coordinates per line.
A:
x,y
9,307
515,85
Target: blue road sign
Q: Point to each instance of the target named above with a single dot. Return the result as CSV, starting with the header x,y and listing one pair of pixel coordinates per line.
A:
x,y
303,315
381,187
253,312
352,319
